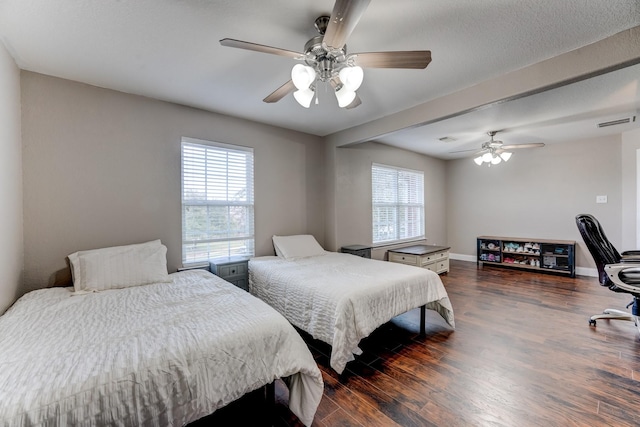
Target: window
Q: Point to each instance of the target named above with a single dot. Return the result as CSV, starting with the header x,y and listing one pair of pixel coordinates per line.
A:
x,y
217,200
398,204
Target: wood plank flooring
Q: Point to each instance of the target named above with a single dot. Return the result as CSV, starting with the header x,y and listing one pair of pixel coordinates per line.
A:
x,y
522,354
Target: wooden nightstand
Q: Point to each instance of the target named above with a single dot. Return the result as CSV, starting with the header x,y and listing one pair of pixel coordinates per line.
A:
x,y
431,257
233,269
359,250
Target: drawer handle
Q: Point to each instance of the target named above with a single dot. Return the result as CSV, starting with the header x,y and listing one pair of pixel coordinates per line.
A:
x,y
233,271
402,257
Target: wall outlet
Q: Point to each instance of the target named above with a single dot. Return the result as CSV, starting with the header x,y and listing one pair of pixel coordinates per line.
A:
x,y
601,199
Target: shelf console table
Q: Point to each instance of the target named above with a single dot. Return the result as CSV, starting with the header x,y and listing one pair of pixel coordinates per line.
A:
x,y
556,256
431,257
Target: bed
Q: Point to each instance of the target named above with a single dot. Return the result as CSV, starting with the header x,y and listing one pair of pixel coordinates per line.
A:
x,y
162,353
341,298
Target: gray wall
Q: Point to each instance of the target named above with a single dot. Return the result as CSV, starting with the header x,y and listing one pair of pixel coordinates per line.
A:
x,y
536,194
11,250
353,222
102,168
630,173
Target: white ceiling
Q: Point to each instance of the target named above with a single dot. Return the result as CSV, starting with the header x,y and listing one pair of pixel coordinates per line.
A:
x,y
169,50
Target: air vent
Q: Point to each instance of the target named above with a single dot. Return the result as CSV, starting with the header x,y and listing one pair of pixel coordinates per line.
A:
x,y
617,122
447,139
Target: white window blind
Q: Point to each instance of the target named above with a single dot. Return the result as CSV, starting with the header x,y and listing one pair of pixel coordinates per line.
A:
x,y
217,201
398,204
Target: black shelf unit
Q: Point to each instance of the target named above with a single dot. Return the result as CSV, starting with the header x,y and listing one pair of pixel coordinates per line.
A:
x,y
551,256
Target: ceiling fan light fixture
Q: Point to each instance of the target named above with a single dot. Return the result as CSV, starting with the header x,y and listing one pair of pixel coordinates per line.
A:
x,y
495,160
351,77
506,155
487,157
478,160
302,76
304,97
345,96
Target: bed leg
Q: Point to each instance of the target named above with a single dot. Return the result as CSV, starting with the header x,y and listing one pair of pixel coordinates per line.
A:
x,y
422,319
270,402
270,394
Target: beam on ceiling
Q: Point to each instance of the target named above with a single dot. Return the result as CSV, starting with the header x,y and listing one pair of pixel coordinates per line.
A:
x,y
613,53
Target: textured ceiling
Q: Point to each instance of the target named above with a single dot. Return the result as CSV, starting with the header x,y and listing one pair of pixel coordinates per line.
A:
x,y
169,49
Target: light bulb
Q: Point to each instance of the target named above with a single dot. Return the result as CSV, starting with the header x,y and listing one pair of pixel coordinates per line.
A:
x,y
304,97
487,157
478,160
506,155
351,77
345,96
496,160
302,76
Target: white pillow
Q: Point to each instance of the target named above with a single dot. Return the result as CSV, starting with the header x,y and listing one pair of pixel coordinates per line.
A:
x,y
302,245
119,266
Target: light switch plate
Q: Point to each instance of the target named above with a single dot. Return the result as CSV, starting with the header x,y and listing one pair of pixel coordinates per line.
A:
x,y
601,199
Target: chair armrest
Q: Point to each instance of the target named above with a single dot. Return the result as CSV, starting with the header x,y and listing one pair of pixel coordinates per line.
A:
x,y
631,253
630,259
630,281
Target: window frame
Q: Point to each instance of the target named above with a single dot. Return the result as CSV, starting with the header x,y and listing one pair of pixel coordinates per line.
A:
x,y
250,186
398,205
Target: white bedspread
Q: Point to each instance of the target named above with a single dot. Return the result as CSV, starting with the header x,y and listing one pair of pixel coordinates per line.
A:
x,y
159,354
341,298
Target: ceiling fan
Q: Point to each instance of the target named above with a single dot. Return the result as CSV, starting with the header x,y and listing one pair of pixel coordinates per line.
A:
x,y
493,151
325,58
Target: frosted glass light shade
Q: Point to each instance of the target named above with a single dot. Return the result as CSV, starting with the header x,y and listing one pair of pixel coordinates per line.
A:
x,y
304,97
496,160
506,156
487,157
302,76
345,96
478,160
351,77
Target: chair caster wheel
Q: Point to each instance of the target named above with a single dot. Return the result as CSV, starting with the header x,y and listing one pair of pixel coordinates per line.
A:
x,y
592,322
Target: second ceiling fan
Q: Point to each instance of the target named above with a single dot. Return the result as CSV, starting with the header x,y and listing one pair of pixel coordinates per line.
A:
x,y
325,58
493,151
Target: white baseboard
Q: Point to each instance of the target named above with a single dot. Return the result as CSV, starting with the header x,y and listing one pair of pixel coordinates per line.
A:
x,y
461,257
580,271
584,271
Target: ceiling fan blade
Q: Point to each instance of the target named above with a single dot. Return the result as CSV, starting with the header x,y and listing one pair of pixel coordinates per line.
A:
x,y
466,151
281,92
261,48
344,18
516,146
398,59
357,101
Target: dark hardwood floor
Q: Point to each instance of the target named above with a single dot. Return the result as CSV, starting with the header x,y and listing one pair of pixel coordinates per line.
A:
x,y
522,354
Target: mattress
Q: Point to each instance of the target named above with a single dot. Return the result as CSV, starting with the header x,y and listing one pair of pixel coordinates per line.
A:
x,y
158,354
341,298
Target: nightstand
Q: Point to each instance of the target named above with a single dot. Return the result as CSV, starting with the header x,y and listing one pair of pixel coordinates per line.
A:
x,y
431,257
359,250
232,269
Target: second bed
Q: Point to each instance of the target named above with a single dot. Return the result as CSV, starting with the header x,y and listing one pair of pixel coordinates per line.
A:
x,y
341,298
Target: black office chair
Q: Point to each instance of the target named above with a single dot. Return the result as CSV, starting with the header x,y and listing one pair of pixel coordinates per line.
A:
x,y
619,272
